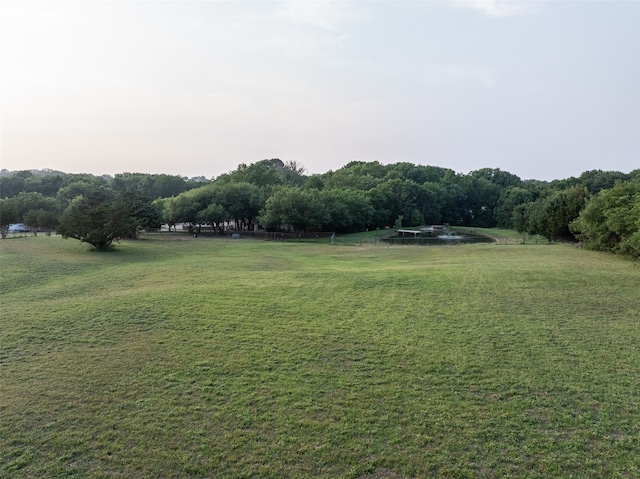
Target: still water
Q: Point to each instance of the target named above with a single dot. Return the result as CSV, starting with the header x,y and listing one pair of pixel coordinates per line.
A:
x,y
437,239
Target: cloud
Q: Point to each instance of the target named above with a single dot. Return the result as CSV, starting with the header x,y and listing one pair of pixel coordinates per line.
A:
x,y
306,28
495,8
484,76
321,14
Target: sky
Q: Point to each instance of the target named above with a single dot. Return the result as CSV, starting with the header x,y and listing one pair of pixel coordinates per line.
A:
x,y
544,90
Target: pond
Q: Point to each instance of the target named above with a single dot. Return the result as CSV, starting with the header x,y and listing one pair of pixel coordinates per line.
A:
x,y
437,239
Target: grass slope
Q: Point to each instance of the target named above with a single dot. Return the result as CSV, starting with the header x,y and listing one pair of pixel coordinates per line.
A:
x,y
214,358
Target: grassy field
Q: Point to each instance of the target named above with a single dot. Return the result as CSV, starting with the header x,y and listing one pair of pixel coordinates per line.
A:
x,y
173,358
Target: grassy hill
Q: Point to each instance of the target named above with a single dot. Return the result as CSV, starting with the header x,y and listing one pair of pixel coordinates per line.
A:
x,y
180,357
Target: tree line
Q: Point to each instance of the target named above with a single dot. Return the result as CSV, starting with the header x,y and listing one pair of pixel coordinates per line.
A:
x,y
599,208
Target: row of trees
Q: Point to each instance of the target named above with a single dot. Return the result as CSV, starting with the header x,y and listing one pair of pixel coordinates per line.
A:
x,y
357,196
55,184
361,195
47,200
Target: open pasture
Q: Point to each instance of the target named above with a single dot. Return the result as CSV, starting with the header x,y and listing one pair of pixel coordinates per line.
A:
x,y
230,359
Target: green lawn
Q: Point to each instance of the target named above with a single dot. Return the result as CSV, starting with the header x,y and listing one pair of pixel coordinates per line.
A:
x,y
243,358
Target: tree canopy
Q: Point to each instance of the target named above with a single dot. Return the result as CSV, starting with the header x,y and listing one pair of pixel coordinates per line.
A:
x,y
97,220
611,220
275,194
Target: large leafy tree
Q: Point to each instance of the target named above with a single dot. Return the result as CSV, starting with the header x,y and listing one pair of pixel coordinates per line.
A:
x,y
598,180
397,197
147,212
10,186
509,200
419,173
183,208
262,173
498,177
35,210
611,220
348,210
303,210
478,201
243,202
215,215
41,218
550,215
97,220
433,198
82,187
8,214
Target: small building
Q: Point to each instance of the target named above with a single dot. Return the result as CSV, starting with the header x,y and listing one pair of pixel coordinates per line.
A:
x,y
17,228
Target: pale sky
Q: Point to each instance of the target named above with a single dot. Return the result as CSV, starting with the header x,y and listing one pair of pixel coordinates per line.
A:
x,y
544,90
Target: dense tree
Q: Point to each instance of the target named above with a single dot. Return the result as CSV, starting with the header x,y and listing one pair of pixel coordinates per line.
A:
x,y
454,199
480,199
128,181
82,188
397,197
10,186
348,210
432,200
374,169
301,209
420,174
357,196
243,202
165,186
47,185
611,220
146,211
345,178
183,208
41,218
26,202
315,182
215,215
294,174
509,200
498,177
97,181
261,173
152,186
358,175
598,180
267,174
550,215
97,220
8,214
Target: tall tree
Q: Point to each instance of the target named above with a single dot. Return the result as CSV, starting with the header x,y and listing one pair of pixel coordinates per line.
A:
x,y
97,220
598,180
82,188
26,202
243,202
498,177
215,215
509,200
550,215
295,207
8,214
348,210
41,218
611,220
397,197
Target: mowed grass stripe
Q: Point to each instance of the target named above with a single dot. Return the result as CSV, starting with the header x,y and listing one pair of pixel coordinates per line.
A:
x,y
251,359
